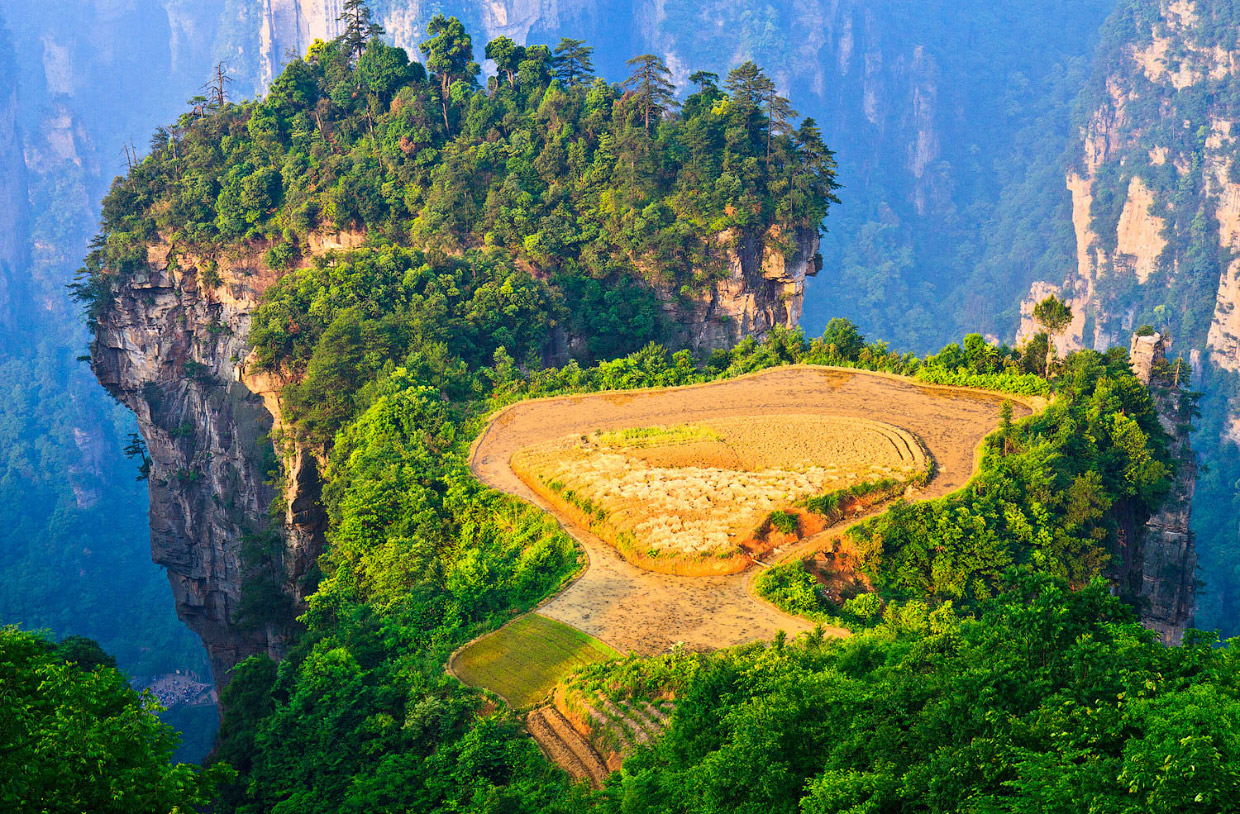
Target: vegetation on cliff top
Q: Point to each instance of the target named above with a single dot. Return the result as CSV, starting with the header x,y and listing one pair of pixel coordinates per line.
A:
x,y
547,169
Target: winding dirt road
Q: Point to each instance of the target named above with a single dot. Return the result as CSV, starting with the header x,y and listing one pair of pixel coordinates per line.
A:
x,y
636,610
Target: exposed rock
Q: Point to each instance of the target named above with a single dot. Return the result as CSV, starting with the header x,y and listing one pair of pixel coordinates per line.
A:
x,y
764,287
1139,235
173,351
1167,590
289,27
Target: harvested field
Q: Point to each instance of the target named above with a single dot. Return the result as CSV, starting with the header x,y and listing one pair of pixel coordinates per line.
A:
x,y
523,660
646,612
692,493
564,746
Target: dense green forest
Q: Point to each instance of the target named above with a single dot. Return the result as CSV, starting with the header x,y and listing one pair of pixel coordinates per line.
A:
x,y
550,170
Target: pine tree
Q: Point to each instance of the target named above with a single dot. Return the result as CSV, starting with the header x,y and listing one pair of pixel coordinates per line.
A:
x,y
358,28
572,61
652,90
778,112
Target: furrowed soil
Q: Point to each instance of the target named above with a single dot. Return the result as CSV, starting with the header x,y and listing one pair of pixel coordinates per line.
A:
x,y
636,610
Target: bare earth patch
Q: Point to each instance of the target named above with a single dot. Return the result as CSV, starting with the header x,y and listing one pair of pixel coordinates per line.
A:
x,y
690,494
635,610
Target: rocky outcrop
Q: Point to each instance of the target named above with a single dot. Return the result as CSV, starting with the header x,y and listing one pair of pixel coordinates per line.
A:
x,y
288,27
173,350
763,287
1167,588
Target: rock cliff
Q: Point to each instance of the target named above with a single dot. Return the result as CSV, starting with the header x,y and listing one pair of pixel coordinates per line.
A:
x,y
173,350
1167,564
1155,191
764,287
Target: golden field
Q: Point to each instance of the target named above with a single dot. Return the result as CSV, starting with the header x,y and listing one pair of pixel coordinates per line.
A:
x,y
695,491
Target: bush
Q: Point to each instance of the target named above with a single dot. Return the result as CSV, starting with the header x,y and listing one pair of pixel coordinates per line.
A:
x,y
785,522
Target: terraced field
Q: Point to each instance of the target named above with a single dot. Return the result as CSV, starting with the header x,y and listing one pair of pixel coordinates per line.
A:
x,y
807,429
633,609
683,499
523,660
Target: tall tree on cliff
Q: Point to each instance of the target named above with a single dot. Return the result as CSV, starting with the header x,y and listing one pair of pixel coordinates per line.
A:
x,y
358,27
507,56
652,90
449,57
1054,315
745,86
778,112
572,61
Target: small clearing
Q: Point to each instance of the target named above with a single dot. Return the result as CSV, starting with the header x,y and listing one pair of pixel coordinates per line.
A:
x,y
523,660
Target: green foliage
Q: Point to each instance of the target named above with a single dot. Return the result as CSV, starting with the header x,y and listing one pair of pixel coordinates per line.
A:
x,y
335,326
1047,701
784,522
75,737
1048,494
606,192
421,558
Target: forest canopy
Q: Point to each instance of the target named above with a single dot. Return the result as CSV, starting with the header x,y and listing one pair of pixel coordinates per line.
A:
x,y
565,175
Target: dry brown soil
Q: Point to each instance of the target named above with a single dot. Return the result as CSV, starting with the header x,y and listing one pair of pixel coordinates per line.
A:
x,y
644,612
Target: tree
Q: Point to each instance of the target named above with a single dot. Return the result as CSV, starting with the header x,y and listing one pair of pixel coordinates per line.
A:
x,y
652,90
778,112
1054,315
572,61
813,175
358,28
217,88
449,57
507,56
75,737
745,86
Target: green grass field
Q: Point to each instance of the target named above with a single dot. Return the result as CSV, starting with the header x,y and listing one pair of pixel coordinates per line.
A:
x,y
523,661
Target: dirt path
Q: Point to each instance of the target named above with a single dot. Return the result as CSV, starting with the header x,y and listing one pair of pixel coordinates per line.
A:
x,y
633,609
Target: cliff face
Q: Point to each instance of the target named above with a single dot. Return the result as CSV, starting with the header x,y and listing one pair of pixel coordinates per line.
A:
x,y
174,351
1155,189
1164,576
764,287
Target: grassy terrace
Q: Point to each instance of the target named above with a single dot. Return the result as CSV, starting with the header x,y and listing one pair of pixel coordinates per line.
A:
x,y
523,660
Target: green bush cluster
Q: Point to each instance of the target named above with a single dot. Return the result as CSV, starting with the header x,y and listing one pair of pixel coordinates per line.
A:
x,y
1046,700
75,737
